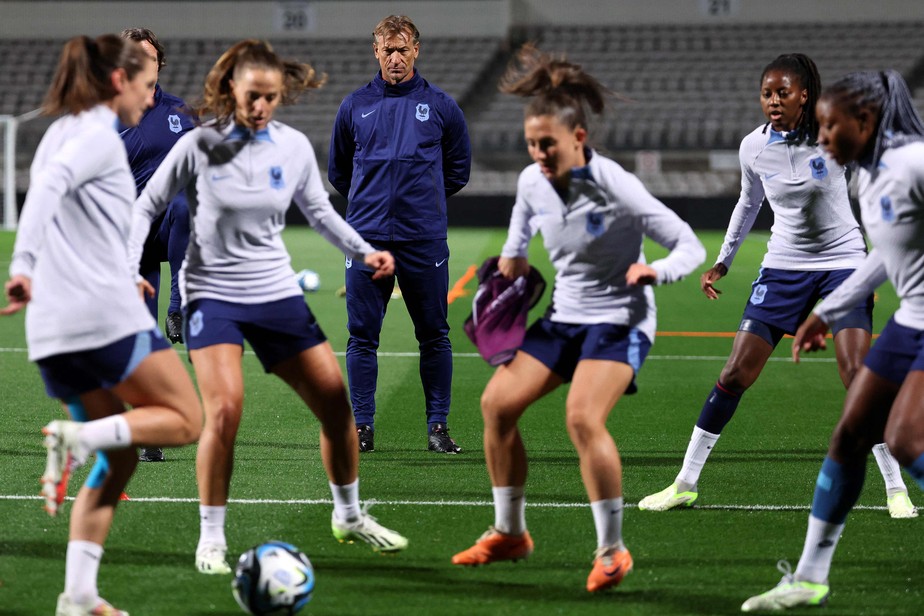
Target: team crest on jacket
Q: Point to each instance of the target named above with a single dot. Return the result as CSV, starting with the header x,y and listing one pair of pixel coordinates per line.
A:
x,y
174,121
595,223
888,212
276,180
819,168
423,112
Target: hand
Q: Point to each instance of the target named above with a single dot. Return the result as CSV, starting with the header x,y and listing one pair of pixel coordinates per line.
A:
x,y
809,337
709,278
18,293
146,289
512,268
640,274
382,262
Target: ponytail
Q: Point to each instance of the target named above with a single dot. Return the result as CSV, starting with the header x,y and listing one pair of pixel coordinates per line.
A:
x,y
83,77
558,87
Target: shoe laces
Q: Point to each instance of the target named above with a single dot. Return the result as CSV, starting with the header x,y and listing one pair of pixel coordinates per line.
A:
x,y
785,568
605,553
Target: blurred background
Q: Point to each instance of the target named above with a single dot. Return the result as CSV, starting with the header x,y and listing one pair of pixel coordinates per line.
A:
x,y
688,72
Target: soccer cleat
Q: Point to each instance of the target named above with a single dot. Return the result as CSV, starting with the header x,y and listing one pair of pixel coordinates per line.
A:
x,y
152,454
366,438
440,441
900,506
173,325
65,453
668,498
790,592
494,546
99,607
367,529
611,564
210,559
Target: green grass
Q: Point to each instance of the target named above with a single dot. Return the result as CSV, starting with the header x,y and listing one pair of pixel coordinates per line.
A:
x,y
702,561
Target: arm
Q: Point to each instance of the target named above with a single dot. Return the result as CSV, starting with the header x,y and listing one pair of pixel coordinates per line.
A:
x,y
173,174
745,212
513,262
662,225
314,203
859,285
76,163
457,151
342,149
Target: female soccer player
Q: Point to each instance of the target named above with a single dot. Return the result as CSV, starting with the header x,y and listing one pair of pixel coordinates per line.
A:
x,y
96,345
593,216
868,118
815,243
241,172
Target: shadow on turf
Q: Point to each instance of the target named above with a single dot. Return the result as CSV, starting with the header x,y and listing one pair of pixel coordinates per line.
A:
x,y
115,555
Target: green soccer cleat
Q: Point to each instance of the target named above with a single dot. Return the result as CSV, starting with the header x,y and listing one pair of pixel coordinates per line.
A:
x,y
900,506
668,498
210,559
367,529
790,592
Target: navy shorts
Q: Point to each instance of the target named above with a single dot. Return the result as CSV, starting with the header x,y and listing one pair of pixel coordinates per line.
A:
x,y
560,346
72,374
898,351
781,299
275,330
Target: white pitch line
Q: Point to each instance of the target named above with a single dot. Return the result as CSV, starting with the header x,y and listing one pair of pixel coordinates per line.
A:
x,y
808,360
440,503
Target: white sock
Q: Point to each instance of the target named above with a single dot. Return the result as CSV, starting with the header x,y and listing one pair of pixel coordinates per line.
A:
x,y
107,433
346,501
608,521
701,444
212,525
891,471
820,542
510,509
81,570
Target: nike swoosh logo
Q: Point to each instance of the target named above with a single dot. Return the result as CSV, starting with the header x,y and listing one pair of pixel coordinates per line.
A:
x,y
216,177
369,113
771,175
614,572
438,263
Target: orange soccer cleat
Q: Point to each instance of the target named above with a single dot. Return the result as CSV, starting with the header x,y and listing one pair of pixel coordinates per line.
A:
x,y
611,564
494,546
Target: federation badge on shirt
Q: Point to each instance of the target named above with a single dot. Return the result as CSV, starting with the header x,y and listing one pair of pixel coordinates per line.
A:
x,y
819,168
888,212
276,180
595,223
423,112
173,121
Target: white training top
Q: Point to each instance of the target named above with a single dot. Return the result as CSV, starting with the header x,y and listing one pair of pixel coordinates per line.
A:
x,y
813,227
239,185
72,239
595,236
892,209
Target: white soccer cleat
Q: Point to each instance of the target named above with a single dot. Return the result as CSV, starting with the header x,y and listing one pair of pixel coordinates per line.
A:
x,y
99,607
210,559
65,453
367,529
788,593
900,506
668,498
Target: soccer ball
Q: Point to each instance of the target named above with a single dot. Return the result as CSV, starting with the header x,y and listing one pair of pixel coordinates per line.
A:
x,y
308,280
273,577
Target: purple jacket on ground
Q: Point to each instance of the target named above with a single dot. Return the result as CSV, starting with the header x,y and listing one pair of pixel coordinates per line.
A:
x,y
497,324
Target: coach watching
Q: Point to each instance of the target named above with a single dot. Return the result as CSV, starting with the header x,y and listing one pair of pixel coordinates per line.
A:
x,y
399,148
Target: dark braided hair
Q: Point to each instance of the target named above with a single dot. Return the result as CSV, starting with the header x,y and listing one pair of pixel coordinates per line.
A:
x,y
885,95
558,87
804,70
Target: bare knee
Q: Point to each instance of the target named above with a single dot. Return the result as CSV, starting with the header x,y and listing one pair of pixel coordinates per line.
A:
x,y
903,445
224,417
737,378
582,428
847,444
498,411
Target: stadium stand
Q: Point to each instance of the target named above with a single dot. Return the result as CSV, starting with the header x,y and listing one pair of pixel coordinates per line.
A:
x,y
682,89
